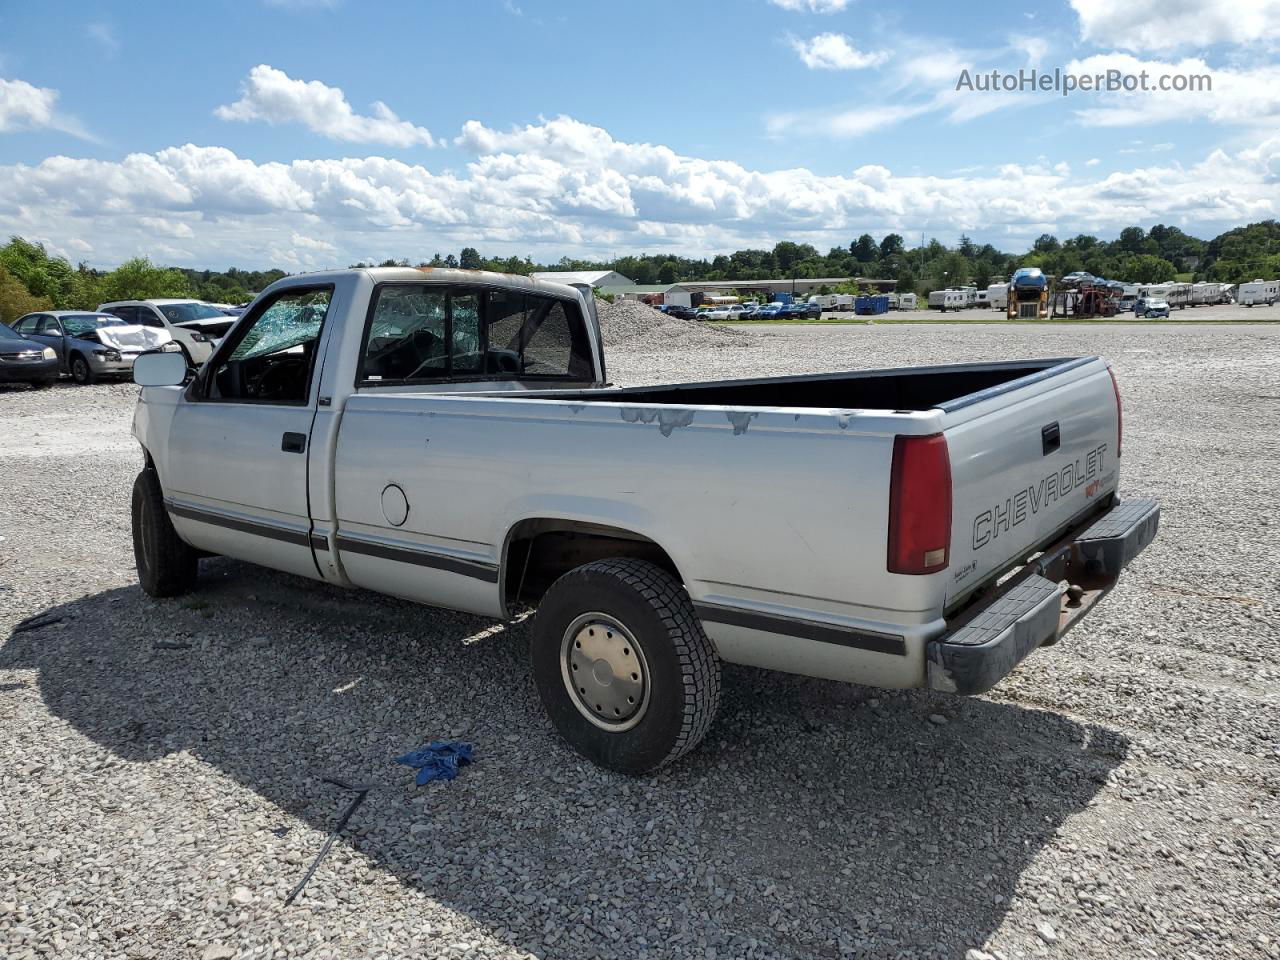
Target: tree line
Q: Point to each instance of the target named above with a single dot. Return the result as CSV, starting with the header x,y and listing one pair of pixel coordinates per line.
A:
x,y
33,279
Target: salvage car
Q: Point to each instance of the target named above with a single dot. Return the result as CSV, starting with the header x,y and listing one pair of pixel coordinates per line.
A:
x,y
1150,307
91,345
196,327
450,437
25,361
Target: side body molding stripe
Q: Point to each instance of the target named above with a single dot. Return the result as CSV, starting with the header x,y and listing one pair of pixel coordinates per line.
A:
x,y
804,629
297,537
422,558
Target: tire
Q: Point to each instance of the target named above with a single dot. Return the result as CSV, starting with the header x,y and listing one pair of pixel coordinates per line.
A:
x,y
167,566
81,372
674,671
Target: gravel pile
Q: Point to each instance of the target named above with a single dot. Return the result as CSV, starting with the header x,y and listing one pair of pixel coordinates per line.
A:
x,y
629,324
1115,798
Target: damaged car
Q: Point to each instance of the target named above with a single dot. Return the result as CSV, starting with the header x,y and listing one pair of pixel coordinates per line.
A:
x,y
90,346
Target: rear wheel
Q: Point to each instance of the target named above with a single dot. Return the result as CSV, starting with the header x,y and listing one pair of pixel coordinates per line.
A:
x,y
622,665
167,566
81,372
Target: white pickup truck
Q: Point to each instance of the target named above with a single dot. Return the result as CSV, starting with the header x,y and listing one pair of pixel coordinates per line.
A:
x,y
450,437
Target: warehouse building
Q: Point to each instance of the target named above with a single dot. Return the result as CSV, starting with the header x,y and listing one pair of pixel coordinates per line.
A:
x,y
592,278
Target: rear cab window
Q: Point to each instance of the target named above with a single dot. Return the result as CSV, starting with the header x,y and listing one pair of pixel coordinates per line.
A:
x,y
432,332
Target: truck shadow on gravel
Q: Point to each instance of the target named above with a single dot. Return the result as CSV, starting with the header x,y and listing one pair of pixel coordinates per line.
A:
x,y
818,819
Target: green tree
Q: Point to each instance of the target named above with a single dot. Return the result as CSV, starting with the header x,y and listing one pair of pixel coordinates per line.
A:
x,y
140,279
469,259
891,246
864,249
16,299
667,272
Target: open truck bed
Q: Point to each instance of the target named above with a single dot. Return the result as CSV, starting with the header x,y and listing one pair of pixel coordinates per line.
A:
x,y
903,388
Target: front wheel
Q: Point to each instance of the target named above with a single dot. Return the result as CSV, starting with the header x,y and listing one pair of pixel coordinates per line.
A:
x,y
81,372
167,566
623,667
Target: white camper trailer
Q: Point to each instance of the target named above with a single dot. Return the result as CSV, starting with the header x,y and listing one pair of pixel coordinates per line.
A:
x,y
944,300
1205,294
906,301
998,296
1257,292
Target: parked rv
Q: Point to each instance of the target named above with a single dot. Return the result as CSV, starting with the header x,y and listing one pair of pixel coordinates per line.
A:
x,y
907,301
945,300
1258,291
998,296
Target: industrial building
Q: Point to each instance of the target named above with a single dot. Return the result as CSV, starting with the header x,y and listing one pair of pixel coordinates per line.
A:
x,y
600,279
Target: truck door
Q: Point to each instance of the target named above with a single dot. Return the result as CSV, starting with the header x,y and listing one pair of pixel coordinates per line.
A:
x,y
239,449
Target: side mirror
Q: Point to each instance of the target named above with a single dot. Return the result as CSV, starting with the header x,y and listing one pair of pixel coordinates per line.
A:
x,y
160,370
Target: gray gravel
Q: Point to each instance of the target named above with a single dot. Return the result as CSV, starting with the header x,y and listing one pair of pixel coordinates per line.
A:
x,y
1115,798
629,325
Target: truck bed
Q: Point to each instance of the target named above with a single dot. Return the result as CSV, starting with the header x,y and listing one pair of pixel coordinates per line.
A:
x,y
897,389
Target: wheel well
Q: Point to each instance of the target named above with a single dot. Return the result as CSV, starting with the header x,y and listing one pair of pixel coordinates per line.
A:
x,y
539,551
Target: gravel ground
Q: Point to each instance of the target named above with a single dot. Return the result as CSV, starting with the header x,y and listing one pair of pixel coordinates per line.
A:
x,y
1115,798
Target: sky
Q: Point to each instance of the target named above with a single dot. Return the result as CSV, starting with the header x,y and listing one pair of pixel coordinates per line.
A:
x,y
306,134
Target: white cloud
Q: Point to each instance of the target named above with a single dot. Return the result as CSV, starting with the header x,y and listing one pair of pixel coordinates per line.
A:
x,y
920,79
834,51
565,187
1092,162
273,96
1171,24
105,36
811,6
164,227
1244,96
23,106
27,107
312,243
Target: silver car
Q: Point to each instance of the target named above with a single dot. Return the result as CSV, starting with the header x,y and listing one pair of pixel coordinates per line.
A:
x,y
92,345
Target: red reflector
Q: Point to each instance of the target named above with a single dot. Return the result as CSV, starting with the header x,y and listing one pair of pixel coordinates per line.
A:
x,y
1115,385
920,505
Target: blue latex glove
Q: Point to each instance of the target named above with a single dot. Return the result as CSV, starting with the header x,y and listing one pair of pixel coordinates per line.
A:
x,y
438,760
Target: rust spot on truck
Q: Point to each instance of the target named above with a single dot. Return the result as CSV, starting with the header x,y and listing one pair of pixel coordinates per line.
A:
x,y
668,420
741,420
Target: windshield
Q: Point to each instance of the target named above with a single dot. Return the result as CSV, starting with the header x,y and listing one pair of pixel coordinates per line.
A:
x,y
78,323
7,334
187,312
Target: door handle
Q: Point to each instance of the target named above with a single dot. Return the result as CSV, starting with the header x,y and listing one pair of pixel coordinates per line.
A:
x,y
1050,438
293,443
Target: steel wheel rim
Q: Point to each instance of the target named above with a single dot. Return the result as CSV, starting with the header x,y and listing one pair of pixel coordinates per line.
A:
x,y
605,672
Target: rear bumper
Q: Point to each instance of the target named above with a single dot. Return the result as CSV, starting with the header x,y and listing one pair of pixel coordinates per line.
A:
x,y
1037,606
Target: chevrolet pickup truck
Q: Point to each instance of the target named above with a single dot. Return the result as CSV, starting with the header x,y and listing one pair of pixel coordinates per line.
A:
x,y
451,437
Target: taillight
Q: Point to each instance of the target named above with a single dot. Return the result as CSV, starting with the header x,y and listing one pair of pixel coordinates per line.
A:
x,y
1115,385
920,505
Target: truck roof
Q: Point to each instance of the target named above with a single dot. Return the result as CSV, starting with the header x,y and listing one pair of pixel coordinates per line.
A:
x,y
450,275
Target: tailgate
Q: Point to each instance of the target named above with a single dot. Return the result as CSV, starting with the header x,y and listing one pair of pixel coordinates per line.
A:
x,y
1026,460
